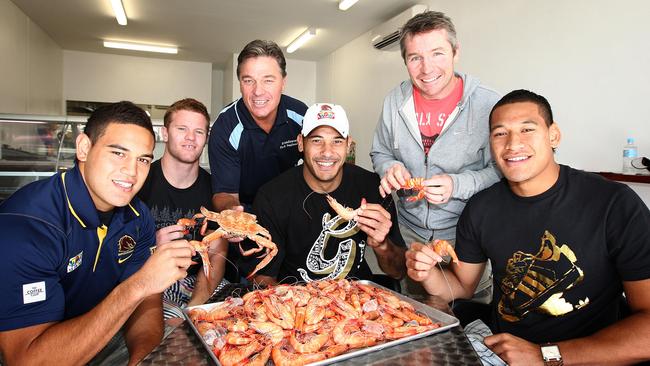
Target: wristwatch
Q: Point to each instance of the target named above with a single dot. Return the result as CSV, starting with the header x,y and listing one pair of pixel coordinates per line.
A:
x,y
551,355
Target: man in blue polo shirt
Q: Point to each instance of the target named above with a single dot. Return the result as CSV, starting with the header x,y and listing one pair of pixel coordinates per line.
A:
x,y
254,138
76,257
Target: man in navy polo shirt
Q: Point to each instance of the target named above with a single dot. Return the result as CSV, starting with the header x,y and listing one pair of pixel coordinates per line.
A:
x,y
254,138
77,264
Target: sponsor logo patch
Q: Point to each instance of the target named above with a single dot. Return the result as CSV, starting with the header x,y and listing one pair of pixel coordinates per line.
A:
x,y
125,247
75,262
33,292
288,143
326,112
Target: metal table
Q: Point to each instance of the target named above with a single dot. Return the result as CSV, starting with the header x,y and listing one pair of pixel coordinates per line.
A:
x,y
183,347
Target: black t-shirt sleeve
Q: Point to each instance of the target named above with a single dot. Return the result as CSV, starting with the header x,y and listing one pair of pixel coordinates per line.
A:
x,y
468,244
225,165
628,235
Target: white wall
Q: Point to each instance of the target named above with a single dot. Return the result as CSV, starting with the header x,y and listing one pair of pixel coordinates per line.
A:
x,y
588,57
301,81
30,66
217,93
109,78
230,83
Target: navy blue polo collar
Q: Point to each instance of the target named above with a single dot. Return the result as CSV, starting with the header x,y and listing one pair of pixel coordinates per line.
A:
x,y
81,205
248,122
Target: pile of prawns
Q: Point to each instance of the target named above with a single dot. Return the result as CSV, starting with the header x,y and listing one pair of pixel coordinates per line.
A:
x,y
294,325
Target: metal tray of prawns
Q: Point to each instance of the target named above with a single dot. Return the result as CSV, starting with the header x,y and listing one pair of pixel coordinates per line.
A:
x,y
446,322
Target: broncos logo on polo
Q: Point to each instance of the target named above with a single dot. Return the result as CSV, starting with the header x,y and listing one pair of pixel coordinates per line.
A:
x,y
125,247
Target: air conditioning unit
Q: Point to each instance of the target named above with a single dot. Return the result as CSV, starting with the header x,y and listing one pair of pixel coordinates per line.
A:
x,y
386,36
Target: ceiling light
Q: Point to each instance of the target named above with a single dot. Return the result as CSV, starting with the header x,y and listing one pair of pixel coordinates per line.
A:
x,y
346,4
141,47
118,9
301,40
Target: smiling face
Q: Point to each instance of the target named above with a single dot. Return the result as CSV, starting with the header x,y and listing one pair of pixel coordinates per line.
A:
x,y
261,84
324,151
116,165
522,147
185,136
430,62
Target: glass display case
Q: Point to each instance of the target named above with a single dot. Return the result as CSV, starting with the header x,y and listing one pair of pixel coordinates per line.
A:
x,y
33,147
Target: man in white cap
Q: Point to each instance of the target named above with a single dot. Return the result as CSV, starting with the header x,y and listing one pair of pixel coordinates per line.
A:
x,y
313,241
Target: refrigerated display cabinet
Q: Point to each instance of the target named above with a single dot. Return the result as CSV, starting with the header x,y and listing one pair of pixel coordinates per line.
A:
x,y
33,147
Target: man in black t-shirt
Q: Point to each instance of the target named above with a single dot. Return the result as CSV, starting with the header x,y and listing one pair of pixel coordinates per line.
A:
x,y
313,241
177,187
564,246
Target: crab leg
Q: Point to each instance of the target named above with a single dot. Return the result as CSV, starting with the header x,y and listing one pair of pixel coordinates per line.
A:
x,y
202,249
271,251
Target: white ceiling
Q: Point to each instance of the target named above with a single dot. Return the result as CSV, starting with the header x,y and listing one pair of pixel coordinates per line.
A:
x,y
208,30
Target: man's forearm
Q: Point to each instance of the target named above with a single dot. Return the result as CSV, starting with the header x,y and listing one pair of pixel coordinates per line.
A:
x,y
444,283
624,342
203,288
391,259
143,331
76,340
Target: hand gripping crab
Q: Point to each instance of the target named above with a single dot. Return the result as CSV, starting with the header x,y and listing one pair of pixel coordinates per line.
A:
x,y
233,224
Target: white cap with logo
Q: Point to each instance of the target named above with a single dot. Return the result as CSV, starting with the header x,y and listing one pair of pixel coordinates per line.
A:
x,y
325,114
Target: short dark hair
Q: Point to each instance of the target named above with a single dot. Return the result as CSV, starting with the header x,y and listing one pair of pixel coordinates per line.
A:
x,y
258,48
426,22
187,104
121,112
522,96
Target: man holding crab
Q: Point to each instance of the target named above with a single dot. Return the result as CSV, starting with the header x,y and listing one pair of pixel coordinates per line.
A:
x,y
77,267
433,126
177,187
313,241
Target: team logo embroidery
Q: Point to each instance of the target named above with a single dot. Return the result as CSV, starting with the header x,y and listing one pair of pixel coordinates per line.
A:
x,y
75,262
125,247
326,112
33,292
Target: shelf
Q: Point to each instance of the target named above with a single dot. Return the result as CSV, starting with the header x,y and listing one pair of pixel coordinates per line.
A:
x,y
626,177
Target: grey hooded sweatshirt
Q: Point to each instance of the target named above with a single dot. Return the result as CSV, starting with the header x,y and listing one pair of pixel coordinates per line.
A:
x,y
462,151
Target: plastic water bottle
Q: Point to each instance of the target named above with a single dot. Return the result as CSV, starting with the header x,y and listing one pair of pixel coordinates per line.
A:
x,y
629,154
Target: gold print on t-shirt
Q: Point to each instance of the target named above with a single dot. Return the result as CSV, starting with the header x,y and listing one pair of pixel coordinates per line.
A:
x,y
538,282
340,265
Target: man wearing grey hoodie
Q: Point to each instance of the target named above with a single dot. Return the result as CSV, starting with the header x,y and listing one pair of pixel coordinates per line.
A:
x,y
434,126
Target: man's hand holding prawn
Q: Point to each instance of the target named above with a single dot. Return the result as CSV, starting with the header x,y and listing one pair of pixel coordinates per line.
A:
x,y
376,222
420,260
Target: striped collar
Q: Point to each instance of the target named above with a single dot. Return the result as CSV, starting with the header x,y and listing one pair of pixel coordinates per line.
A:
x,y
81,205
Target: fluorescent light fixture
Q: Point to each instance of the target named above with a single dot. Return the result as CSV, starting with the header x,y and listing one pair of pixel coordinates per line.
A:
x,y
141,47
301,40
346,4
118,9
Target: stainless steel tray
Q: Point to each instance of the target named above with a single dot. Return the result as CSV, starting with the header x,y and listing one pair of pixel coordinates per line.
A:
x,y
447,321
